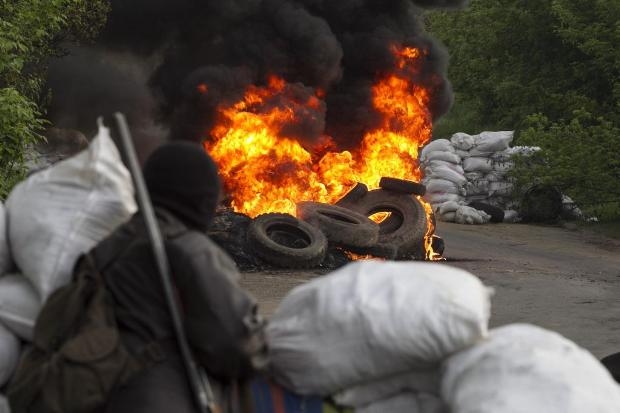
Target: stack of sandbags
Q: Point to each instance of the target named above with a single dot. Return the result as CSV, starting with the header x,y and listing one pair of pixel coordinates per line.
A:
x,y
62,211
443,175
522,368
374,333
486,163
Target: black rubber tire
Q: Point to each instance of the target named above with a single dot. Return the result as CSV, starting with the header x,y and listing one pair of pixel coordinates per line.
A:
x,y
406,226
497,214
285,241
355,193
438,244
341,226
403,186
541,203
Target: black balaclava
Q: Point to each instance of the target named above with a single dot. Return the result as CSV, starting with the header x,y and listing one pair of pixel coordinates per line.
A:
x,y
182,178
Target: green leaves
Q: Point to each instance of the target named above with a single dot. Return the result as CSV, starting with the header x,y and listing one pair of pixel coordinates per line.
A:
x,y
550,70
30,32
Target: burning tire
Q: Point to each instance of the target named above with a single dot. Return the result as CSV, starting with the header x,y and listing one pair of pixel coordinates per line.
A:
x,y
285,241
405,226
340,225
355,193
403,186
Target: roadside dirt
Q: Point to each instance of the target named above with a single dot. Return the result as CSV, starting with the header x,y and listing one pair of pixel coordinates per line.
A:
x,y
562,279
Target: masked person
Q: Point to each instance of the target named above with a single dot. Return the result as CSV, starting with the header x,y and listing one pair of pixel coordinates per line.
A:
x,y
221,322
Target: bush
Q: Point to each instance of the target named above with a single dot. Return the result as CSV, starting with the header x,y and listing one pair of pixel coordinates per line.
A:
x,y
579,157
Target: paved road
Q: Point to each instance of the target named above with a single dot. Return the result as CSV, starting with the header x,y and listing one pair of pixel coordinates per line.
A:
x,y
561,279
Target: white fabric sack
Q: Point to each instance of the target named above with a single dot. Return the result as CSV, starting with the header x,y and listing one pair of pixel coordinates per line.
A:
x,y
449,174
5,252
475,176
438,145
447,217
463,154
431,165
450,206
522,368
373,319
501,188
435,198
477,164
19,305
443,186
441,156
490,142
479,187
60,212
462,141
406,402
503,167
471,216
426,380
511,216
9,354
495,176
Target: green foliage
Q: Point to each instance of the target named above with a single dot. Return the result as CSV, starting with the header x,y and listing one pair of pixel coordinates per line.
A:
x,y
551,71
30,32
579,157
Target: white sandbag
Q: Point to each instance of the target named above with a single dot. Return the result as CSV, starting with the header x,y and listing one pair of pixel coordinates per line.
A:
x,y
441,197
477,187
443,164
495,176
373,319
447,217
475,176
19,305
441,156
406,402
60,212
511,216
5,252
443,186
9,354
462,141
463,154
522,368
490,142
438,145
426,380
501,188
450,206
503,167
471,216
448,174
477,164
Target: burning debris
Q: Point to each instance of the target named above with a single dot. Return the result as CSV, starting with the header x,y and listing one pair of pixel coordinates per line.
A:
x,y
296,100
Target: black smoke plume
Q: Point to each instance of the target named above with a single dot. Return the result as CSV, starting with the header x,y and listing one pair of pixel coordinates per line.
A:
x,y
174,62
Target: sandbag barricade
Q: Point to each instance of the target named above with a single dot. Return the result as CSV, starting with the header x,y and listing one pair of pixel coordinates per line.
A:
x,y
478,166
372,320
19,305
62,211
522,368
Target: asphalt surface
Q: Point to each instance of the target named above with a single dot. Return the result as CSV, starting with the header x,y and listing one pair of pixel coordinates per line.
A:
x,y
562,279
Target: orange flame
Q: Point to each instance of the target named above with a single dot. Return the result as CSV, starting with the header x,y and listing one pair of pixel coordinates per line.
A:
x,y
266,171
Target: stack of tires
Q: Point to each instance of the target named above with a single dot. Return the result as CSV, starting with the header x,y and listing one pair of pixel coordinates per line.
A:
x,y
302,242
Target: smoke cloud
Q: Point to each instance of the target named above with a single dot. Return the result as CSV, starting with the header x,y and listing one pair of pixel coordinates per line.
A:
x,y
153,56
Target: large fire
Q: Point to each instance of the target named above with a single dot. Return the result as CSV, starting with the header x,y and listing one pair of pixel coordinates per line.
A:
x,y
264,170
